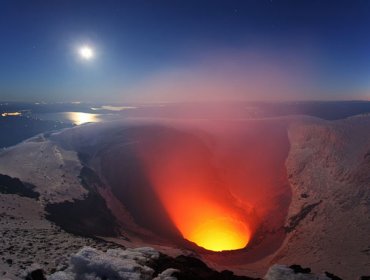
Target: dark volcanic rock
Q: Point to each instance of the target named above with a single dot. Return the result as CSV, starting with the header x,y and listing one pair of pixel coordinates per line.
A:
x,y
87,217
299,269
332,276
296,219
192,269
9,185
37,274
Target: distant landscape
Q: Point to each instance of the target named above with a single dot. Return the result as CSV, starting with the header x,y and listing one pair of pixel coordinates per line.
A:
x,y
31,119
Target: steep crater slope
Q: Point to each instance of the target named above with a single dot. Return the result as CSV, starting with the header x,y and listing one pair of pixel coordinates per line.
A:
x,y
329,218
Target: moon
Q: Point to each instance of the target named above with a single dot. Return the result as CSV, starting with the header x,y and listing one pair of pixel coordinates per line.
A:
x,y
86,52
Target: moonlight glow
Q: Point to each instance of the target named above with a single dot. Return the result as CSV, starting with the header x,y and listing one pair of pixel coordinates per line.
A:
x,y
86,52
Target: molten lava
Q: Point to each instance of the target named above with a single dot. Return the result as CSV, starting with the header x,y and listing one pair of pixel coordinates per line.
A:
x,y
209,225
219,234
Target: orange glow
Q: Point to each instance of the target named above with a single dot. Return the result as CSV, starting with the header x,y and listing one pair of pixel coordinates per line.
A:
x,y
201,220
220,182
208,225
218,234
198,203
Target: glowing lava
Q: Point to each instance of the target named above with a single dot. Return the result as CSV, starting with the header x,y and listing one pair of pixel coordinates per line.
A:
x,y
219,234
209,225
205,220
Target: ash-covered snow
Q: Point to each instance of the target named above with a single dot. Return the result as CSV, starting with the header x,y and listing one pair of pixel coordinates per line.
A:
x,y
283,272
167,274
136,264
53,170
117,264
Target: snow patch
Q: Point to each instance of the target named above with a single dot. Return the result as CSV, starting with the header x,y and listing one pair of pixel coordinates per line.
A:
x,y
117,264
167,274
283,272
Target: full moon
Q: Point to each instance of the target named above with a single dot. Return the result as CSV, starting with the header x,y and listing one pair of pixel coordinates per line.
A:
x,y
86,52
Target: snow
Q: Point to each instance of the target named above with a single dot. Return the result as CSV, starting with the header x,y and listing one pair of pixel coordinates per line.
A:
x,y
32,242
115,264
283,272
328,162
53,170
167,274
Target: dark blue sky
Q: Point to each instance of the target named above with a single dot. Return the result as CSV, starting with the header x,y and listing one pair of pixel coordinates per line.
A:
x,y
178,50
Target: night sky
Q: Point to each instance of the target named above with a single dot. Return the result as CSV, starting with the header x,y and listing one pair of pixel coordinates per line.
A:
x,y
159,51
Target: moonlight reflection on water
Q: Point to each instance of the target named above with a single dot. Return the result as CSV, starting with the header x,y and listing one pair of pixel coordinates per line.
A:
x,y
79,118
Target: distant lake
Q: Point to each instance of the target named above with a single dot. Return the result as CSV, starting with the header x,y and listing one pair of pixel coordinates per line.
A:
x,y
77,118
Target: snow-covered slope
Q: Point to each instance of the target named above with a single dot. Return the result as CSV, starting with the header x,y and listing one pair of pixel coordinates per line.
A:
x,y
51,169
329,217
